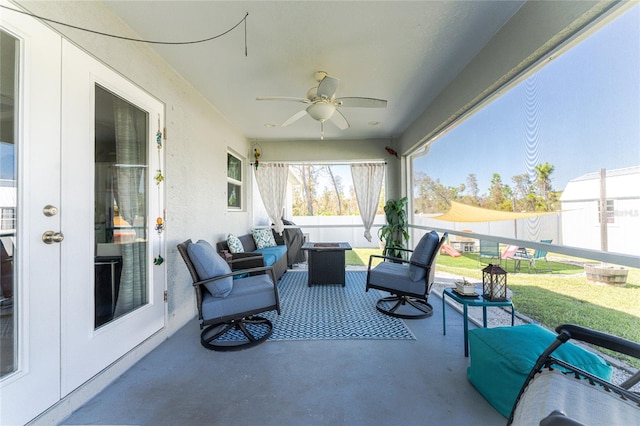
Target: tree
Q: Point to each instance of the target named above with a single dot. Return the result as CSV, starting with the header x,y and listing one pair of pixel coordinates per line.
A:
x,y
337,187
431,196
309,178
522,191
499,194
543,181
472,189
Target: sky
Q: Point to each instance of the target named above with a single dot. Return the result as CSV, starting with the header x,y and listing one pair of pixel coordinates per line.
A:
x,y
579,113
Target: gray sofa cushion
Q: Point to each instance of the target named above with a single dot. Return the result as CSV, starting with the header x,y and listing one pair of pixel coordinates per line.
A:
x,y
210,264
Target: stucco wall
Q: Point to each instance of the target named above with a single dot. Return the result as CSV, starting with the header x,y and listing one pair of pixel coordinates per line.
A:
x,y
197,140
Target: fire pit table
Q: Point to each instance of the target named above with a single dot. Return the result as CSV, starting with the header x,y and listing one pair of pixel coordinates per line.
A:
x,y
326,262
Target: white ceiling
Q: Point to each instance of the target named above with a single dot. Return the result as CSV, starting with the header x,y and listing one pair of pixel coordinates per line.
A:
x,y
404,52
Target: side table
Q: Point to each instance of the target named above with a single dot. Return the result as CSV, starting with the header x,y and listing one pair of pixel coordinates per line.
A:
x,y
467,301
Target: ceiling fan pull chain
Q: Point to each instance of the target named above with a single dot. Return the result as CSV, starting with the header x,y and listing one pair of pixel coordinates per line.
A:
x,y
322,130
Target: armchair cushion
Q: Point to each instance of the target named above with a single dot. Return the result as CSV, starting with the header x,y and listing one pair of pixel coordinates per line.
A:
x,y
209,264
395,276
422,254
235,245
263,238
249,294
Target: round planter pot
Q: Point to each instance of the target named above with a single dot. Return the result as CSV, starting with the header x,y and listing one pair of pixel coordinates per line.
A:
x,y
612,275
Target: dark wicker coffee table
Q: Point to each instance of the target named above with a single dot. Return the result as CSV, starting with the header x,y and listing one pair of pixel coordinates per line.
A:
x,y
326,262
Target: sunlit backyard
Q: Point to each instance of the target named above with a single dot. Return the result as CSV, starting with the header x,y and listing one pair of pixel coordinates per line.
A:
x,y
563,295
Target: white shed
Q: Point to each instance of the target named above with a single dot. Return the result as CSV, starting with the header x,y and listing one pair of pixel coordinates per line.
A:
x,y
581,204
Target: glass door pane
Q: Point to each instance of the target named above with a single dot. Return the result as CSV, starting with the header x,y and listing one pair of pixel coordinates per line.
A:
x,y
8,193
120,218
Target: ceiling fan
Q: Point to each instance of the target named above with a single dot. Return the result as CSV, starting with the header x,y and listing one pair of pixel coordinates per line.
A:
x,y
323,104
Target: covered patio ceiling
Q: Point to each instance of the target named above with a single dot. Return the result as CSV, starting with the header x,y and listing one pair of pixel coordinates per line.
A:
x,y
403,52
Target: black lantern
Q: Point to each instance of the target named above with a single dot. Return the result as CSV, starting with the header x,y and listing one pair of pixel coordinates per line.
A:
x,y
494,283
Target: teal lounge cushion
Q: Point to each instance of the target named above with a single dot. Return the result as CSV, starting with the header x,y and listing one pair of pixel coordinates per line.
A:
x,y
209,264
502,357
272,254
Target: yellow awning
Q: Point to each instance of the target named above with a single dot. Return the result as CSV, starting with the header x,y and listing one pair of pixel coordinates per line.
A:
x,y
464,213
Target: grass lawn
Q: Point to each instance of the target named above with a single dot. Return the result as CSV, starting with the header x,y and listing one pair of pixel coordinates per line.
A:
x,y
552,298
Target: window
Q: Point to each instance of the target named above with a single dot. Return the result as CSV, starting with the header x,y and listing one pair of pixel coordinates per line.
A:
x,y
121,200
610,212
325,190
234,182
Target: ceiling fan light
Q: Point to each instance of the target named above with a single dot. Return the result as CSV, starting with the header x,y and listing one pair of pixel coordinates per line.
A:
x,y
312,93
321,111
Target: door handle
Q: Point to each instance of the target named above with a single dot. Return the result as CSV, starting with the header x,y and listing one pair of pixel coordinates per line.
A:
x,y
50,237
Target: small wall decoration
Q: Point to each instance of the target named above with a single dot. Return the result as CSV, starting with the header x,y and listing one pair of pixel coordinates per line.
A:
x,y
257,153
159,178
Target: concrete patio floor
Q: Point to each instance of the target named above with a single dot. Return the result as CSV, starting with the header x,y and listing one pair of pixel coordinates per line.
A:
x,y
337,382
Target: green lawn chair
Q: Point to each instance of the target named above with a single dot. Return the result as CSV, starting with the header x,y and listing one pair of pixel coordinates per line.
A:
x,y
489,249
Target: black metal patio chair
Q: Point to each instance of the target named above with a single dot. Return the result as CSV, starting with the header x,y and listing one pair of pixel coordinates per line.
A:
x,y
409,281
226,304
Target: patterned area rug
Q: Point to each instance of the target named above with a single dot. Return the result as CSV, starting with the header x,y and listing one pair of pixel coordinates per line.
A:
x,y
326,312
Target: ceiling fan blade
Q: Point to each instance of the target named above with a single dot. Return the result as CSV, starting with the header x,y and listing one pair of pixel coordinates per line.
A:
x,y
362,102
339,120
282,98
295,117
327,87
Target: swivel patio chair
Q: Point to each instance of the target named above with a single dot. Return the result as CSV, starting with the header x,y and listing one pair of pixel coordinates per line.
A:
x,y
558,393
409,281
226,304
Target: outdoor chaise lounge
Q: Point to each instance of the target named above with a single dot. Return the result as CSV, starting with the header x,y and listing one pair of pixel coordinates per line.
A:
x,y
557,392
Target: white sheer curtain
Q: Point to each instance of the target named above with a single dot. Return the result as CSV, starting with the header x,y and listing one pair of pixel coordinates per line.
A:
x,y
130,133
367,182
272,183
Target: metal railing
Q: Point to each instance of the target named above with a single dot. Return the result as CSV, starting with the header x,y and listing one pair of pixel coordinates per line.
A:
x,y
340,230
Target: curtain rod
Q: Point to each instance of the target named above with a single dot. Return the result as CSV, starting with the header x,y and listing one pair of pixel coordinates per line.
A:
x,y
324,163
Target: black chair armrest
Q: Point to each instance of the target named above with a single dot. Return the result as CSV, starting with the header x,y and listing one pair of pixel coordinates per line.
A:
x,y
397,260
394,249
246,261
264,269
598,338
385,258
244,255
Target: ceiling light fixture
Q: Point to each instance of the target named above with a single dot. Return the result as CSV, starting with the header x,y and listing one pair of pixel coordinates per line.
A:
x,y
321,111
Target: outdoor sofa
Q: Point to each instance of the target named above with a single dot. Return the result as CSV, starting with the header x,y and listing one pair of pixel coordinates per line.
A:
x,y
274,254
